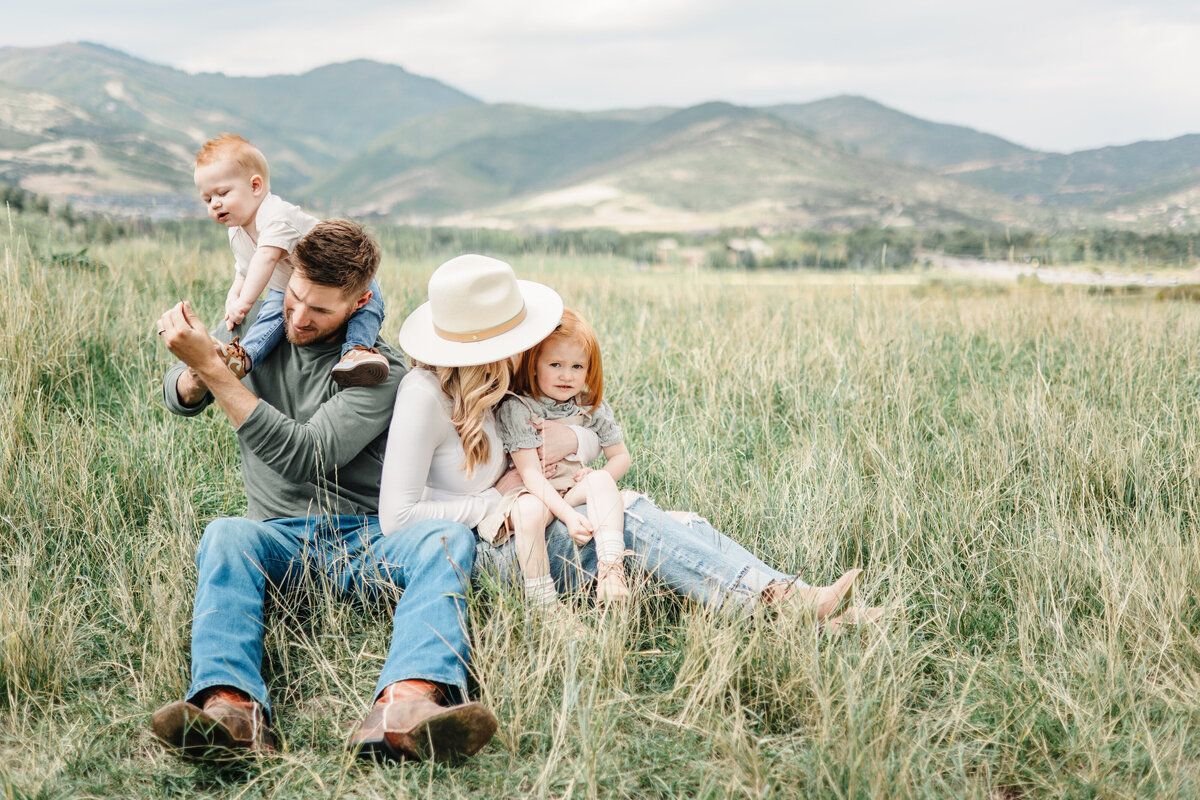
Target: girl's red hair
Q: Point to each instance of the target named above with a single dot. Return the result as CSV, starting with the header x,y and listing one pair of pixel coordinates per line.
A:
x,y
573,328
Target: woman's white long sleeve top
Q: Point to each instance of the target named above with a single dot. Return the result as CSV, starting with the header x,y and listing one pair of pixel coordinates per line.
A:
x,y
423,476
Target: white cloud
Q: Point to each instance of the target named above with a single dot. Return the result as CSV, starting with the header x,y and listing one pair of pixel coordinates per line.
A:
x,y
1051,73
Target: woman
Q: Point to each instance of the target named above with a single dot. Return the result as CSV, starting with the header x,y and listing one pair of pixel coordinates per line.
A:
x,y
444,457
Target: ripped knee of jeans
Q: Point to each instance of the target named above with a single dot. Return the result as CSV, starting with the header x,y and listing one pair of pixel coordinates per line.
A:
x,y
629,497
688,518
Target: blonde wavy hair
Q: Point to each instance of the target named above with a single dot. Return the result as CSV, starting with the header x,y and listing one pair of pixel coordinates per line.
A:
x,y
472,391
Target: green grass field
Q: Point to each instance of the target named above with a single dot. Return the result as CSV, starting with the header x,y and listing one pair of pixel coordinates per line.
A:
x,y
1016,469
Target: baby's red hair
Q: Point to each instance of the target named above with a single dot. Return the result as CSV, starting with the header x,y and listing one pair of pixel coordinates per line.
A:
x,y
231,147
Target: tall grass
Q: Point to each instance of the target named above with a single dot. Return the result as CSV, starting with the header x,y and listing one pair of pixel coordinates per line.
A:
x,y
1015,469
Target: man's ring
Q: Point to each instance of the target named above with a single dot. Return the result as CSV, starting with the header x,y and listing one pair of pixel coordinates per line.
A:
x,y
161,331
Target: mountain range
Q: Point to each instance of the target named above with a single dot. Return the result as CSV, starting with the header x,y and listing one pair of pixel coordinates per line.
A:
x,y
100,128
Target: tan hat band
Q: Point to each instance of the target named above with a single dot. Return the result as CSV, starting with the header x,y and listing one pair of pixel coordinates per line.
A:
x,y
486,333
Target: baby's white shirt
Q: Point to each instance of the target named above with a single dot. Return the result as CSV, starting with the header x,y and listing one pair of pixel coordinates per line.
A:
x,y
280,224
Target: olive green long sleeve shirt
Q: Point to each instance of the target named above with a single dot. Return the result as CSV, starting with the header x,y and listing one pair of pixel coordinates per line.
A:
x,y
309,447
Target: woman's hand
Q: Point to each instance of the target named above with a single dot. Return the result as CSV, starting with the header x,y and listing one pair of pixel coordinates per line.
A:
x,y
512,479
558,441
579,528
509,481
581,473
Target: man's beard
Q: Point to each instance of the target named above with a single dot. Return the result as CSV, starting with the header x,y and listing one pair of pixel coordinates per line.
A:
x,y
309,336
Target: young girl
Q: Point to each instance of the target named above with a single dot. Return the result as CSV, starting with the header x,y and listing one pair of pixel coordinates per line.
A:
x,y
560,379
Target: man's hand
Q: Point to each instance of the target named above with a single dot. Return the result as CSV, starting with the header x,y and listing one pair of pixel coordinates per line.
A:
x,y
581,473
187,339
189,387
509,481
512,479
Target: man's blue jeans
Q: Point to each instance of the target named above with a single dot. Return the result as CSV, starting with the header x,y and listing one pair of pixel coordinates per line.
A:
x,y
692,558
239,558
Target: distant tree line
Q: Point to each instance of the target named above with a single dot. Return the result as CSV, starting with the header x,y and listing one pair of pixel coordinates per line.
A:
x,y
100,228
17,199
1109,246
409,241
891,248
862,249
866,248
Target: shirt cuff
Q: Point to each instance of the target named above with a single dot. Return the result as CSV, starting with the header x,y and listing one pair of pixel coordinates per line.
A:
x,y
588,449
170,395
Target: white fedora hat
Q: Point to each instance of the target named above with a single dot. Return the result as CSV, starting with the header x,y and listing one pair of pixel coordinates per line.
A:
x,y
478,312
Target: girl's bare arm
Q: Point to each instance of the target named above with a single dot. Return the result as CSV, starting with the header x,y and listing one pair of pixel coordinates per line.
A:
x,y
617,460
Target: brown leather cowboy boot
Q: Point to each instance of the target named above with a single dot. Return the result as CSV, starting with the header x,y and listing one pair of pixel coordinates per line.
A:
x,y
228,724
408,722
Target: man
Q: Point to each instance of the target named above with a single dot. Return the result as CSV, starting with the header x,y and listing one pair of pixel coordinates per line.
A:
x,y
311,459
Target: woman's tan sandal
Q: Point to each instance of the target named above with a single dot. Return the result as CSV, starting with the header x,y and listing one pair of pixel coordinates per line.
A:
x,y
820,601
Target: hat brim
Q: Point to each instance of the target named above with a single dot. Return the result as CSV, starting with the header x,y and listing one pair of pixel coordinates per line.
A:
x,y
543,312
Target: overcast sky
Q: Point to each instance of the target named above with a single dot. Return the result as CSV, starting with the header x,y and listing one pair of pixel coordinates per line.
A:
x,y
1051,74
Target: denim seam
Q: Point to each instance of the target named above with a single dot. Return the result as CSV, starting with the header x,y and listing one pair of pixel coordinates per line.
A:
x,y
641,560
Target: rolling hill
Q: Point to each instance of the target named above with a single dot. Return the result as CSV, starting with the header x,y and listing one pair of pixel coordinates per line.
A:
x,y
703,167
1151,180
717,165
145,120
875,130
471,157
85,121
1156,181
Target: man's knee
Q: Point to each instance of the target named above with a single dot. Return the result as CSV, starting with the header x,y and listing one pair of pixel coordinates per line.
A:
x,y
227,536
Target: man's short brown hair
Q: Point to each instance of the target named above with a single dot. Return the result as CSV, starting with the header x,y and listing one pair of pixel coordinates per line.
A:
x,y
337,252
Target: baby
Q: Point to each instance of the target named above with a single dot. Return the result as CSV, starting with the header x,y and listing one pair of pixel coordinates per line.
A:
x,y
235,184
